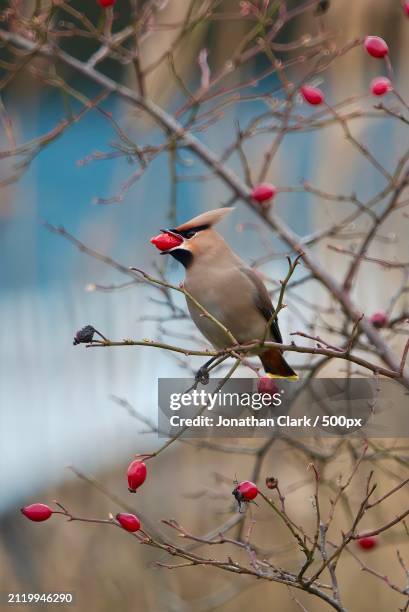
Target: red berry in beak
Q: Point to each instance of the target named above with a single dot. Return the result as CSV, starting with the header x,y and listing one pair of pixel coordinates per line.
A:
x,y
136,475
164,241
376,46
263,192
106,3
367,542
379,319
130,522
37,512
380,86
312,95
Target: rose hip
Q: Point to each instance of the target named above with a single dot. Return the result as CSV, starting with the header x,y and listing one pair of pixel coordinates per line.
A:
x,y
130,522
164,241
376,46
245,491
380,86
379,319
136,475
37,512
263,192
312,95
367,542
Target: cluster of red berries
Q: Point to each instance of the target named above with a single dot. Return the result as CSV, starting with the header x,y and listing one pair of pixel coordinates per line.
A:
x,y
136,477
41,512
244,492
376,47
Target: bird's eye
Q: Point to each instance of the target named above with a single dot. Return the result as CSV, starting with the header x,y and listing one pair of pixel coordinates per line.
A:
x,y
190,234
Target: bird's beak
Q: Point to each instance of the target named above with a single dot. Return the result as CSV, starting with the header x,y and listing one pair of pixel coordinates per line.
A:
x,y
172,232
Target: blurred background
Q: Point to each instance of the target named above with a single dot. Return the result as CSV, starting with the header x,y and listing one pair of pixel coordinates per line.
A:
x,y
56,399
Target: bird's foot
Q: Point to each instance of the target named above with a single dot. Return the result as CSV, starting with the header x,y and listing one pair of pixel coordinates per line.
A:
x,y
202,375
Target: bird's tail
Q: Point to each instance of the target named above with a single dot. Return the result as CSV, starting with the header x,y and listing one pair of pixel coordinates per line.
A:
x,y
276,366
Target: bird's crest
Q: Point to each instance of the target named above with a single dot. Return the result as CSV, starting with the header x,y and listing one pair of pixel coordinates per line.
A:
x,y
205,220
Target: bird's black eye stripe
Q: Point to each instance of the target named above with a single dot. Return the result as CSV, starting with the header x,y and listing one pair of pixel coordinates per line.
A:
x,y
189,233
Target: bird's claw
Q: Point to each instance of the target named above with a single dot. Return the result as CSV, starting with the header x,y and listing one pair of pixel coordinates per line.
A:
x,y
202,376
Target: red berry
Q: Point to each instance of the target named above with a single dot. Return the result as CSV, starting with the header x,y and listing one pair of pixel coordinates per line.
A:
x,y
376,46
380,86
379,319
367,542
136,475
246,490
164,242
37,512
406,8
263,192
130,522
312,95
266,385
106,3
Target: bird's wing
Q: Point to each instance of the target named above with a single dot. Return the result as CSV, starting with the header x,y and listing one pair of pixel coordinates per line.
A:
x,y
263,302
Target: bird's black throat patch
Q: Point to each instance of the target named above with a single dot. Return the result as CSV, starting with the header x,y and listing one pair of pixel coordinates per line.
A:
x,y
183,256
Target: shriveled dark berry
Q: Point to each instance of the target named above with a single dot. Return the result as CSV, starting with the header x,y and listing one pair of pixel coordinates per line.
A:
x,y
84,335
271,482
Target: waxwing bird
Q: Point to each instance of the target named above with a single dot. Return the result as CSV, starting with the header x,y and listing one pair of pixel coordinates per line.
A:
x,y
228,289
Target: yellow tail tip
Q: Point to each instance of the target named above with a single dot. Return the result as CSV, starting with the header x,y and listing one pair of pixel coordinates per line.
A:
x,y
292,377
